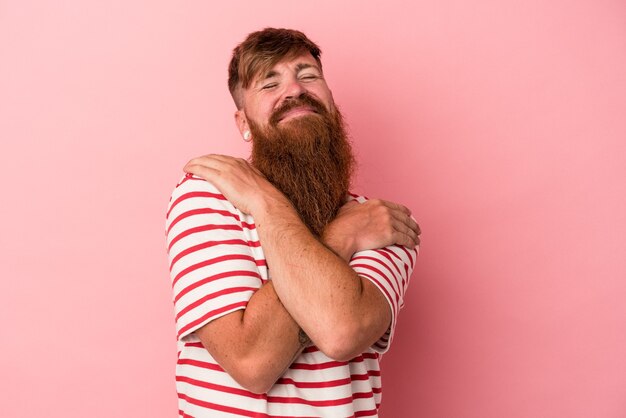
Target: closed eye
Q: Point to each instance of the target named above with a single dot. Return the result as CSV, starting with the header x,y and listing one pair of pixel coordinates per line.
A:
x,y
269,86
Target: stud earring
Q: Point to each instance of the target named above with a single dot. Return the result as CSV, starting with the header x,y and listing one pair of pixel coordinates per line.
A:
x,y
246,136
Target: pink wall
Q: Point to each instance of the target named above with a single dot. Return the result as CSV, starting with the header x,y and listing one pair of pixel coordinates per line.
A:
x,y
500,123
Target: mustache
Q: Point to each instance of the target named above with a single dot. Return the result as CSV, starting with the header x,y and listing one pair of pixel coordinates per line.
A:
x,y
305,100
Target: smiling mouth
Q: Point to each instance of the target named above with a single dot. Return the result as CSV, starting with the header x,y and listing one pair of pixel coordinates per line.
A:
x,y
297,112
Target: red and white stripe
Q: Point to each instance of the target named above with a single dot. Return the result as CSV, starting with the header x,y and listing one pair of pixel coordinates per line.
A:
x,y
216,264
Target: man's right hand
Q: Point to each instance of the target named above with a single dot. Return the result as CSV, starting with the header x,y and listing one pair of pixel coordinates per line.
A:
x,y
373,224
241,183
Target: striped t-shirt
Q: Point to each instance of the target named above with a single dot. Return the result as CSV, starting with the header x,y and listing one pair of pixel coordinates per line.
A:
x,y
216,264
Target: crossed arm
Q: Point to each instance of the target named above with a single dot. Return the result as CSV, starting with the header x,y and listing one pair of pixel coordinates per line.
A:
x,y
312,288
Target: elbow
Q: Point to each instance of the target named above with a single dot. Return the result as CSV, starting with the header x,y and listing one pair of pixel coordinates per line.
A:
x,y
253,377
339,353
257,387
343,345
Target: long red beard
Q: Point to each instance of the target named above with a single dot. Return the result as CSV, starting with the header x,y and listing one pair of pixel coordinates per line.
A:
x,y
308,158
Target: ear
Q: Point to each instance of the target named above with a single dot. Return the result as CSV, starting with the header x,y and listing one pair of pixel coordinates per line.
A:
x,y
332,100
241,121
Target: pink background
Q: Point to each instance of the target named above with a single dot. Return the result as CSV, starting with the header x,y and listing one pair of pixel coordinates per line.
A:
x,y
500,123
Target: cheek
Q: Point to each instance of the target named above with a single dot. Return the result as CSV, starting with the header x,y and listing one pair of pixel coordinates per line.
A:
x,y
261,115
258,111
326,97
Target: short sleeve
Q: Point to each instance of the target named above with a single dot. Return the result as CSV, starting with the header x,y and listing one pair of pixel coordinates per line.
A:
x,y
390,269
212,265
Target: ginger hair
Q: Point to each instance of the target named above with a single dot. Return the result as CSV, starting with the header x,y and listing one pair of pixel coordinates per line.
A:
x,y
260,51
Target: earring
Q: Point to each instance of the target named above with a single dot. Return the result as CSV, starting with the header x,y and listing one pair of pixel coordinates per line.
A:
x,y
246,136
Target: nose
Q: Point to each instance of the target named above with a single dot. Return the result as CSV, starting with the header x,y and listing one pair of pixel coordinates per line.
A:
x,y
293,89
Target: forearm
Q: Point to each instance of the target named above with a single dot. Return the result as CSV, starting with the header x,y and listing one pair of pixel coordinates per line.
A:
x,y
321,292
341,312
256,345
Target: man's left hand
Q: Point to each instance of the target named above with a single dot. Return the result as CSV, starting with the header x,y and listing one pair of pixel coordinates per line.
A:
x,y
376,223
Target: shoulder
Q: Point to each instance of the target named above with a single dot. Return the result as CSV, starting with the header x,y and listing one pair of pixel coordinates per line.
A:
x,y
192,191
190,183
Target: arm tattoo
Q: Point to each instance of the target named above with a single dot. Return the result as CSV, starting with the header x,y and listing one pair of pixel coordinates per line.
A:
x,y
303,338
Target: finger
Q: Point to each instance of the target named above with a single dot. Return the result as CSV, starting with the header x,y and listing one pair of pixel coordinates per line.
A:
x,y
396,206
222,163
211,160
202,171
405,235
407,220
414,226
412,241
233,161
405,240
205,160
222,157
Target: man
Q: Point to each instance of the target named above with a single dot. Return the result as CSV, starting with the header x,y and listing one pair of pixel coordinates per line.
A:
x,y
286,287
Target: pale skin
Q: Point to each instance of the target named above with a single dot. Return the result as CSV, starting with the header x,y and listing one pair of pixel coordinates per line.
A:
x,y
312,288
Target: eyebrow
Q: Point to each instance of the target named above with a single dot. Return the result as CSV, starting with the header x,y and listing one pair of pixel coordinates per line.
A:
x,y
304,65
299,67
270,74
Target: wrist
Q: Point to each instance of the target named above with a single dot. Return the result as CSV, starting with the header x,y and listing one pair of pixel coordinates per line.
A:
x,y
341,244
273,212
267,201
